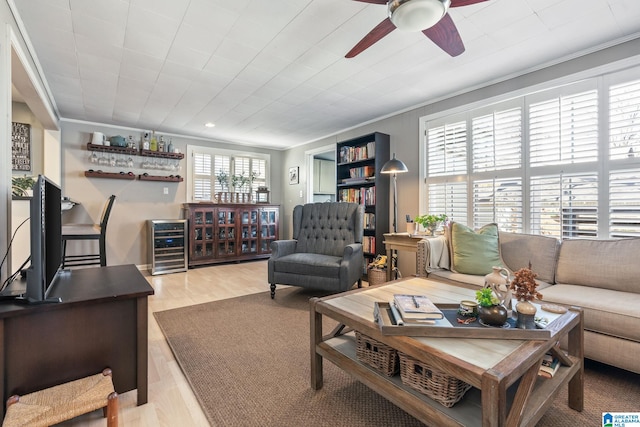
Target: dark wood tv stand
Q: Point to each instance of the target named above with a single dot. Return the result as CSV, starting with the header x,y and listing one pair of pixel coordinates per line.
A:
x,y
101,322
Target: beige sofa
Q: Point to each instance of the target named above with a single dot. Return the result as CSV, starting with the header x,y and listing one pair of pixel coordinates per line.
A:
x,y
601,276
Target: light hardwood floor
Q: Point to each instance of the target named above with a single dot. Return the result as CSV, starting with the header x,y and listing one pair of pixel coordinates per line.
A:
x,y
171,401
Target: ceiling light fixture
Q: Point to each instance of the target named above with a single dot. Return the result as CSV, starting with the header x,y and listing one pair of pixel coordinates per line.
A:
x,y
417,15
209,124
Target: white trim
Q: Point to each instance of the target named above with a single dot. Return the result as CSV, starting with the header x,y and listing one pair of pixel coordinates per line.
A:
x,y
309,166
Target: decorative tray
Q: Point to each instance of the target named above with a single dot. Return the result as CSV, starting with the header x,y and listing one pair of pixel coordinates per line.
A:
x,y
451,328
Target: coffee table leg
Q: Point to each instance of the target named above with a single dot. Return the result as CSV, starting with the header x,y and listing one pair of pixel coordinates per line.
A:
x,y
576,348
315,326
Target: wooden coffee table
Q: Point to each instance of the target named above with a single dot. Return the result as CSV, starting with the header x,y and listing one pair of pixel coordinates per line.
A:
x,y
504,372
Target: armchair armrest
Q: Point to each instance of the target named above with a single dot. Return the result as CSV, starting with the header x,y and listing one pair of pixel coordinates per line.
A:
x,y
280,248
352,251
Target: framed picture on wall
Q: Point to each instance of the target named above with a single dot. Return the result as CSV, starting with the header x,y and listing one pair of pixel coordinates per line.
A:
x,y
20,147
293,175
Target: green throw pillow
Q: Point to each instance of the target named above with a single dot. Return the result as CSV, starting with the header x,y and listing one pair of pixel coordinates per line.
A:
x,y
474,252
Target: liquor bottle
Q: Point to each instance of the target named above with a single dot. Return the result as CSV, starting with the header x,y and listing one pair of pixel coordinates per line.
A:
x,y
170,146
145,141
153,145
161,143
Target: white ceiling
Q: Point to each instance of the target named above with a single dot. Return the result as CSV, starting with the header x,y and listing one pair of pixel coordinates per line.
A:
x,y
273,73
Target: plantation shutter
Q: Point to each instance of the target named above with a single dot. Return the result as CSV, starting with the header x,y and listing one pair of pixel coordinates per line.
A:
x,y
222,166
624,203
450,199
564,130
202,176
565,206
447,149
624,120
497,140
499,201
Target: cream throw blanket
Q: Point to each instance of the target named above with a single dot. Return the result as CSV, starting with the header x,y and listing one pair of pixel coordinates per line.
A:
x,y
438,255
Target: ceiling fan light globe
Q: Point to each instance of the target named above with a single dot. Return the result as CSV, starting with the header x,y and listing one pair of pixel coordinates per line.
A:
x,y
416,15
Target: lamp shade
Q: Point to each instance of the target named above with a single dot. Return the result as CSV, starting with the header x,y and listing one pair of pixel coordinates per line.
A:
x,y
394,166
417,15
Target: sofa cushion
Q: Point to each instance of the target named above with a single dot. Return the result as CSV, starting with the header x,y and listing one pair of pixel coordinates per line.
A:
x,y
473,252
518,250
606,264
309,265
607,312
469,280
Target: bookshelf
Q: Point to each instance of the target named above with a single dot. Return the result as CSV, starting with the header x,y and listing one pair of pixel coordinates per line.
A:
x,y
358,180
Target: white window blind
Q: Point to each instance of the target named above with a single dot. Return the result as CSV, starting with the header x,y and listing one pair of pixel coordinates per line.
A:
x,y
447,149
497,140
449,199
624,203
624,120
565,205
202,176
499,201
564,130
211,171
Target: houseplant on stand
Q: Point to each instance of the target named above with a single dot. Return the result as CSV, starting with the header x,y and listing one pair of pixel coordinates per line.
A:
x,y
490,312
430,222
524,287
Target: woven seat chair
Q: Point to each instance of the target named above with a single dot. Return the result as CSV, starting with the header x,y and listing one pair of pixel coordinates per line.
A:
x,y
87,232
64,402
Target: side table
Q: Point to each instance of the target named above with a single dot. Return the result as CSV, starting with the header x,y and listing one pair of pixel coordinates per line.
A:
x,y
400,242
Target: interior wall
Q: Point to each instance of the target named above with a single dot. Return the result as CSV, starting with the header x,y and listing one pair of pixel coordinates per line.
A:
x,y
136,201
404,129
21,113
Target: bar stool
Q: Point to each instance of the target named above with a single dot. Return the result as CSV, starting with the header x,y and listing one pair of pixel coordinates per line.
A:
x,y
87,232
63,402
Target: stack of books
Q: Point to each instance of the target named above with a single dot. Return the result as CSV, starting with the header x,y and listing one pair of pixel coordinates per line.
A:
x,y
414,310
549,366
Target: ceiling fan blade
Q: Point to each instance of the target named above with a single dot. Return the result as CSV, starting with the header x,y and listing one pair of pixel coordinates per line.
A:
x,y
373,1
381,30
446,36
458,3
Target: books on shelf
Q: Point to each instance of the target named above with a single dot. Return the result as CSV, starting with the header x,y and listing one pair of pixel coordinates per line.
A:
x,y
369,244
353,154
549,366
416,308
369,221
364,196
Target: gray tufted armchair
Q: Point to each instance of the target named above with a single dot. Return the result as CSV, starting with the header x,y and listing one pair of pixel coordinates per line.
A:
x,y
326,249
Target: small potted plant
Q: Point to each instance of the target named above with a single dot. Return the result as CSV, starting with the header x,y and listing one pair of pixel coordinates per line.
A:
x,y
524,287
490,312
223,180
21,186
430,222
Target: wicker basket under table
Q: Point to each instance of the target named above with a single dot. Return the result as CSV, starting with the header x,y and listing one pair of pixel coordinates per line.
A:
x,y
379,356
376,276
439,386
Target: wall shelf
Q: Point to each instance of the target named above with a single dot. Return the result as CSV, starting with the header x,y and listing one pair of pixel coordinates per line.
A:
x,y
160,178
110,175
134,151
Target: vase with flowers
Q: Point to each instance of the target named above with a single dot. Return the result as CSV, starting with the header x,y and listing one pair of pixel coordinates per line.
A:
x,y
430,222
524,287
490,311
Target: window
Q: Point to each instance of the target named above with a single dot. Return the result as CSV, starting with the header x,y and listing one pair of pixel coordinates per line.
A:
x,y
217,170
543,162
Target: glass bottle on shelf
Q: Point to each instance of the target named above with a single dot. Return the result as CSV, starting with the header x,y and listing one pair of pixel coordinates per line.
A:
x,y
153,145
170,146
145,141
161,144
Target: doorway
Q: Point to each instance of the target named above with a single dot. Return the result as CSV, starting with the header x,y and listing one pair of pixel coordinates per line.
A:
x,y
321,170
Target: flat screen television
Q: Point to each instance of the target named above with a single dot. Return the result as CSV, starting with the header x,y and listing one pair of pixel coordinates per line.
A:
x,y
46,240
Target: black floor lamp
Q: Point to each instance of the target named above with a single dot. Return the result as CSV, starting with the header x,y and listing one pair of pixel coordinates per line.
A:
x,y
394,166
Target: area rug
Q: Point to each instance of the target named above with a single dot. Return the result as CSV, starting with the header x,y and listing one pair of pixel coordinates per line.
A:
x,y
247,360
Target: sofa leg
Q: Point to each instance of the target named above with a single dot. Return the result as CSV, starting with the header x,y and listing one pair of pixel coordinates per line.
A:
x,y
273,290
359,283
